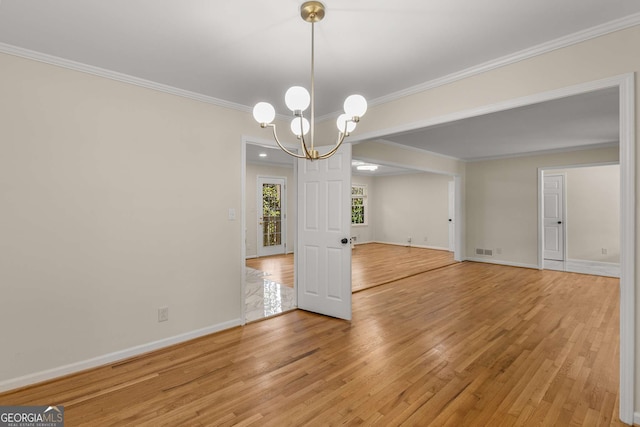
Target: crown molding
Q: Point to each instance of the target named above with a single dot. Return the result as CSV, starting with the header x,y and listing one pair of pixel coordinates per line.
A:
x,y
571,39
562,42
121,77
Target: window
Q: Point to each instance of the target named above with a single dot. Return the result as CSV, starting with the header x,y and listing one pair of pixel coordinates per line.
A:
x,y
359,204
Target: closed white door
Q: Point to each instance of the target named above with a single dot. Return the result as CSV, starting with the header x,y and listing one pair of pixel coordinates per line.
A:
x,y
452,213
323,252
272,208
554,217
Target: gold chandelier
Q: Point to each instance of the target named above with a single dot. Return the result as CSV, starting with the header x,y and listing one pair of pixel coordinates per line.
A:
x,y
298,100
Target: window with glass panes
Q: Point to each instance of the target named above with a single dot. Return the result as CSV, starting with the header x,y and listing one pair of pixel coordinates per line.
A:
x,y
358,204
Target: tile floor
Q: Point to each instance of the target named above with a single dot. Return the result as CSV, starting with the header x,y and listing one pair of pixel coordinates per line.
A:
x,y
264,297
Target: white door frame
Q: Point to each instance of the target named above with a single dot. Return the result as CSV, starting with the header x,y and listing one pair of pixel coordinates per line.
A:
x,y
625,83
243,215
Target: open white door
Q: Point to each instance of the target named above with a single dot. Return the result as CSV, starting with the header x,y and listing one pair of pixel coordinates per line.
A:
x,y
323,252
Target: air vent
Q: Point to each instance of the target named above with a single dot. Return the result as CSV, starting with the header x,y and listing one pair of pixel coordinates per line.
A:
x,y
485,252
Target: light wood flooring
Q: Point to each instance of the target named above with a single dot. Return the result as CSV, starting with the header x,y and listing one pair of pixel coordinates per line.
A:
x,y
465,345
372,264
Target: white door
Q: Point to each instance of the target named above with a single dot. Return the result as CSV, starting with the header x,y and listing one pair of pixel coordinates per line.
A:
x,y
452,213
323,253
272,208
554,217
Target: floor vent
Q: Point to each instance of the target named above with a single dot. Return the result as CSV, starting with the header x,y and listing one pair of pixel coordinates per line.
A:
x,y
487,252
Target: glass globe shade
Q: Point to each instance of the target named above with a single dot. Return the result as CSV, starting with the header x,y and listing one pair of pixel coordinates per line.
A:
x,y
355,105
264,112
297,98
344,118
295,126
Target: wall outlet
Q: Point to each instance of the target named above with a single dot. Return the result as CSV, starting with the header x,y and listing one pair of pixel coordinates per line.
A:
x,y
425,238
163,314
408,239
604,251
499,251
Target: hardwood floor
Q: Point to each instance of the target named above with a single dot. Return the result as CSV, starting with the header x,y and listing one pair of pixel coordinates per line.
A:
x,y
279,267
372,264
465,345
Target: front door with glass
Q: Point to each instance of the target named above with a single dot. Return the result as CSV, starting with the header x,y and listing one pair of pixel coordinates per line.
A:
x,y
272,224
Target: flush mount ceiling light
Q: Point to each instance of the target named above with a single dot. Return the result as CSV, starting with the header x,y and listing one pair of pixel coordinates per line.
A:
x,y
298,100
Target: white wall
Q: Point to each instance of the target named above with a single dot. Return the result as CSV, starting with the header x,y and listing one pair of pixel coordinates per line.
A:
x,y
412,205
115,202
253,172
593,213
502,203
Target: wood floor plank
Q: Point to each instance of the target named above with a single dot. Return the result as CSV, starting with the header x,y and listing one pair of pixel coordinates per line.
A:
x,y
468,344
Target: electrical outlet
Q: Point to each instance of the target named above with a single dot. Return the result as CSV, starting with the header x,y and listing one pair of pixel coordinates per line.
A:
x,y
409,239
425,238
499,251
163,314
604,251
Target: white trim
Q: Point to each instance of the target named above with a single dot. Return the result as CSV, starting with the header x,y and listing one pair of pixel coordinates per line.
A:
x,y
120,77
559,43
500,262
544,152
564,92
627,246
595,268
636,418
105,359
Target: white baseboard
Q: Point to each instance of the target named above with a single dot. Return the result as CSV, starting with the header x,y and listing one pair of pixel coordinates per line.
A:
x,y
596,268
500,262
95,362
437,248
636,418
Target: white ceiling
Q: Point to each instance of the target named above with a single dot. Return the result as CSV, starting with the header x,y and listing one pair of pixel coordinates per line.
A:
x,y
245,51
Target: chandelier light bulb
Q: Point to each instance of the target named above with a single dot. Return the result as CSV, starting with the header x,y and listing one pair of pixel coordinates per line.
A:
x,y
297,98
355,106
295,126
340,123
264,112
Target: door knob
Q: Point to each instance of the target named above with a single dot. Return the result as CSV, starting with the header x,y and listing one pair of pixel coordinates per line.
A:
x,y
559,222
450,220
344,241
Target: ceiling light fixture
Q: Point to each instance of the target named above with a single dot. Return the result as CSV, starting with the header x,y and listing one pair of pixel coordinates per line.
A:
x,y
367,168
262,154
298,100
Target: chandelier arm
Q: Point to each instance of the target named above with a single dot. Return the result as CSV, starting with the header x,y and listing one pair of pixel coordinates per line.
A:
x,y
334,149
275,136
303,143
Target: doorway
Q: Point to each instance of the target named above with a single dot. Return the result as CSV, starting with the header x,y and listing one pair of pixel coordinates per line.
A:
x,y
553,219
581,219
